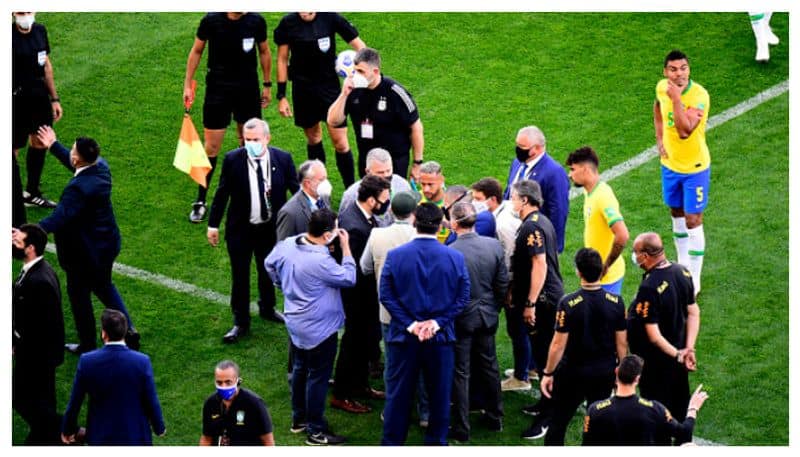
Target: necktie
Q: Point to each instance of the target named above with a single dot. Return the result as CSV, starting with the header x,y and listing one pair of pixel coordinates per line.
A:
x,y
321,203
262,193
373,222
522,170
19,278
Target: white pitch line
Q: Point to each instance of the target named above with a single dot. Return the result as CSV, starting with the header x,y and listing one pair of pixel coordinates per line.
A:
x,y
613,172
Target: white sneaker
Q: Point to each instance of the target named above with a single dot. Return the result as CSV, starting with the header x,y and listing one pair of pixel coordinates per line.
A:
x,y
771,37
532,374
514,384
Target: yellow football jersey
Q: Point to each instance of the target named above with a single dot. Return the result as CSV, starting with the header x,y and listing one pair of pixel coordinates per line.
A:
x,y
600,212
689,155
444,232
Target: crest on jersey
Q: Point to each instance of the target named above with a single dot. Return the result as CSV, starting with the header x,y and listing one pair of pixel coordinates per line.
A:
x,y
382,104
247,44
41,58
324,43
240,417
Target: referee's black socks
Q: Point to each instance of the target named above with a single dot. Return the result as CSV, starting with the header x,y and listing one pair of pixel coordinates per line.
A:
x,y
202,191
34,164
316,151
344,162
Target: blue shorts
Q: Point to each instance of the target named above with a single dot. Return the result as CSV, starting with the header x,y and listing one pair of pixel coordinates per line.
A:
x,y
615,287
686,191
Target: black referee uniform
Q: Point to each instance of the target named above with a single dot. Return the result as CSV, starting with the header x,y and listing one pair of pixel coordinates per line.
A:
x,y
663,298
632,421
315,85
242,424
591,318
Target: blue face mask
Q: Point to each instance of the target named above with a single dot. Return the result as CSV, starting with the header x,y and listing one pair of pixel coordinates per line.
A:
x,y
226,393
254,148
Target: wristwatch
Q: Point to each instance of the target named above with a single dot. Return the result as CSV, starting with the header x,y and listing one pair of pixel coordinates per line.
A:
x,y
418,162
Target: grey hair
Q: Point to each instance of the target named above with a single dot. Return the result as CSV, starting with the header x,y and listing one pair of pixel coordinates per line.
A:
x,y
457,191
534,134
378,155
529,189
225,364
463,213
256,122
306,170
431,168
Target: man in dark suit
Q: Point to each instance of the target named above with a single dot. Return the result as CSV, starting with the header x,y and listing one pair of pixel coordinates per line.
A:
x,y
123,403
315,193
255,179
87,236
361,325
424,286
38,337
475,352
534,163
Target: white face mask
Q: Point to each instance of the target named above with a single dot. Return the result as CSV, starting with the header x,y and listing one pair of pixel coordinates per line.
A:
x,y
635,262
334,234
480,206
360,81
25,22
324,189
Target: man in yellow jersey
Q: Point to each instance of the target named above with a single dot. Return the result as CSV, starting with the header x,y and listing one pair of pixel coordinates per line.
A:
x,y
604,229
680,115
431,182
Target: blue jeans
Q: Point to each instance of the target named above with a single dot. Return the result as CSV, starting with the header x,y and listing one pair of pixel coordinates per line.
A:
x,y
423,410
310,374
519,332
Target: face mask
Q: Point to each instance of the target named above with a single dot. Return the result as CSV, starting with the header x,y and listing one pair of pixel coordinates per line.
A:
x,y
324,189
360,81
381,210
335,233
17,253
226,393
635,262
254,148
480,206
25,22
523,154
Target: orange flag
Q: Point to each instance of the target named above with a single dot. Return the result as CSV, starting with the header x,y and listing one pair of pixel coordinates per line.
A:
x,y
190,156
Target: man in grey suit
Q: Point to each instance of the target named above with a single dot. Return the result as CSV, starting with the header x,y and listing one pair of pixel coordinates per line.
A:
x,y
314,194
379,163
475,352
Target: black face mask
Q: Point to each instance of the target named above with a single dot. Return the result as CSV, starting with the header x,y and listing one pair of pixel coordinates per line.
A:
x,y
17,253
380,210
523,154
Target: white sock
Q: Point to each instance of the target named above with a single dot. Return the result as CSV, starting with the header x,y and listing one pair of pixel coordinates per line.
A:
x,y
697,246
759,22
681,238
771,37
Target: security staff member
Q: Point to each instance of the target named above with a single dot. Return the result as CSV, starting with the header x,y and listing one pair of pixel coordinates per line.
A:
x,y
590,336
234,416
34,98
383,113
307,56
231,82
628,419
663,323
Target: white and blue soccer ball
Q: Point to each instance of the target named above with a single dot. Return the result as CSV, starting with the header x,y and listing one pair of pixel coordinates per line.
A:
x,y
345,63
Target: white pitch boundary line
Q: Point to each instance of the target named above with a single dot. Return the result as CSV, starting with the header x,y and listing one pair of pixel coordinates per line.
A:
x,y
613,172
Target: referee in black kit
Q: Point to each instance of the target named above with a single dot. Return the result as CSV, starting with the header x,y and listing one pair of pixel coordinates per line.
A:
x,y
232,86
383,113
307,56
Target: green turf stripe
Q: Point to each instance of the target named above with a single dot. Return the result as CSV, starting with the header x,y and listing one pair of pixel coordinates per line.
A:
x,y
698,253
680,235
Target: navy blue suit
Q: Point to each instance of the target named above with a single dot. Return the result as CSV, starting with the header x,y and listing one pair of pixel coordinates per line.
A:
x,y
123,404
555,191
421,280
88,242
243,239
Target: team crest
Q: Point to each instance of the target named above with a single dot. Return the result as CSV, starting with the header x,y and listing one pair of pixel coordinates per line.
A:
x,y
247,44
240,417
382,104
41,57
324,43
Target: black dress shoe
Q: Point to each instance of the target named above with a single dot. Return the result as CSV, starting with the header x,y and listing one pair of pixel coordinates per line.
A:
x,y
233,334
132,339
273,315
75,348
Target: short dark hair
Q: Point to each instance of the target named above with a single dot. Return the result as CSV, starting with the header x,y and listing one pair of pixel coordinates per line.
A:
x,y
583,154
463,213
372,186
225,364
322,220
36,236
428,218
368,55
114,323
629,368
87,148
490,187
589,264
675,54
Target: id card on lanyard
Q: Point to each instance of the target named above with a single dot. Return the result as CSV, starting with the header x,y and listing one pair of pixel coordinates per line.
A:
x,y
366,130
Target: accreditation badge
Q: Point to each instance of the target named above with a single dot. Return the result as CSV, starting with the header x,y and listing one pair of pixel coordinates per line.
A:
x,y
247,44
41,57
240,417
382,104
324,43
366,130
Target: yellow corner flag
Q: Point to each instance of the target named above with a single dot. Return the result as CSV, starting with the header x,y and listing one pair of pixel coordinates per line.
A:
x,y
190,156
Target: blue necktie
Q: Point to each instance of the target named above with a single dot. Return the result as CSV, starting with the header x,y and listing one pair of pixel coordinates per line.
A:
x,y
262,192
521,175
321,203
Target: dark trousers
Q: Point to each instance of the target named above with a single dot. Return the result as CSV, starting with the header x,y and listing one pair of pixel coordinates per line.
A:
x,y
518,332
540,338
310,375
423,410
406,361
569,391
352,366
255,241
81,283
475,363
668,382
34,398
18,216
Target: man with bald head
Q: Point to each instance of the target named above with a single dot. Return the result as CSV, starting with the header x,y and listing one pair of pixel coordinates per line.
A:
x,y
532,162
663,323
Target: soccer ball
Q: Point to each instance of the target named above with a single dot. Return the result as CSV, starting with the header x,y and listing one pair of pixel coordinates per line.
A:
x,y
345,63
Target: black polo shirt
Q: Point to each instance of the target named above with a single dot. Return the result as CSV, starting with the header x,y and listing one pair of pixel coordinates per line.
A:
x,y
390,111
631,421
240,425
232,47
535,236
312,45
29,52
